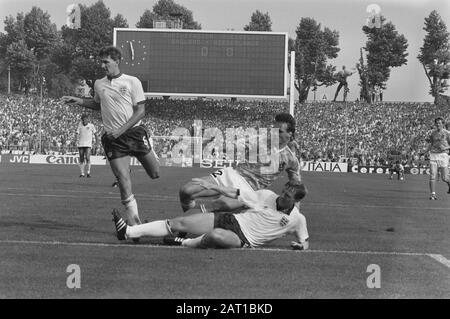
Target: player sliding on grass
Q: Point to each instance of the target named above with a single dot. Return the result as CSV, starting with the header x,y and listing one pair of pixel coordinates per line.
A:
x,y
269,217
249,176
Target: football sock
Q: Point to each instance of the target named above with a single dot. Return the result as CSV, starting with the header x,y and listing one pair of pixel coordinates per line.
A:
x,y
131,211
153,229
81,168
194,242
88,167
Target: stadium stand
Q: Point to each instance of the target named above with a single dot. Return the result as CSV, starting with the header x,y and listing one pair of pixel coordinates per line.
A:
x,y
325,131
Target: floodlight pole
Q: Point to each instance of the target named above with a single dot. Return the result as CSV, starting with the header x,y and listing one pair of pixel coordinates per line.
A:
x,y
292,84
40,121
9,79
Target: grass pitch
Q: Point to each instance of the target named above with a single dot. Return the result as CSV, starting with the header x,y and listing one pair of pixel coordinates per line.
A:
x,y
50,219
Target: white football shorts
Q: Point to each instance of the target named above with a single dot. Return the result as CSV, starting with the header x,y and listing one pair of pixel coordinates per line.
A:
x,y
229,177
439,159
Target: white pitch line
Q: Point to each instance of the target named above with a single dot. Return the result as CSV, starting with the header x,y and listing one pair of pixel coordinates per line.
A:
x,y
440,259
141,197
437,257
93,244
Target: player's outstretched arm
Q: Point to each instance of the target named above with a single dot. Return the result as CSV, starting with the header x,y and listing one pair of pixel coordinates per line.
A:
x,y
87,103
300,243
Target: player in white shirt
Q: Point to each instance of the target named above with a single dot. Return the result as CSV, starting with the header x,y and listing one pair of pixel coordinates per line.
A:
x,y
121,100
269,217
85,134
250,176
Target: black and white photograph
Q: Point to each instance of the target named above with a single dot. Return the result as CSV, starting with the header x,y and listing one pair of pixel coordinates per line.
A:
x,y
223,155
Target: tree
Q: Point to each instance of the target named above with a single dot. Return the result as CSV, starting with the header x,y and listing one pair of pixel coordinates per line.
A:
x,y
22,61
119,21
385,48
163,10
313,47
259,22
27,45
363,82
146,20
81,46
14,32
40,32
435,54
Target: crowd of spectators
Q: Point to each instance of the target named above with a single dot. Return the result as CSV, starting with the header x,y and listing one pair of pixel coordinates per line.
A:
x,y
30,126
326,131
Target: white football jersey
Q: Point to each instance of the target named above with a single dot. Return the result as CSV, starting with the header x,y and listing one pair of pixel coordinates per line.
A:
x,y
262,223
117,98
85,134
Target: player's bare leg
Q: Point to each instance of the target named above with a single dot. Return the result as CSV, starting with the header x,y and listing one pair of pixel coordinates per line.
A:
x,y
81,164
433,177
217,238
223,204
88,162
151,164
191,190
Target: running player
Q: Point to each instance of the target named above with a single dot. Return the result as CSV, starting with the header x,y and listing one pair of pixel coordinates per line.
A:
x,y
85,134
249,176
121,100
268,218
439,147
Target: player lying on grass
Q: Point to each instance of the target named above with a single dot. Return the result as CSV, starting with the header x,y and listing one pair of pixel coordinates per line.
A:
x,y
269,217
249,176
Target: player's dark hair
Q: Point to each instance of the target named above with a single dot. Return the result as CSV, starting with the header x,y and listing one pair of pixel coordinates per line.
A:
x,y
439,119
288,119
300,190
111,51
84,116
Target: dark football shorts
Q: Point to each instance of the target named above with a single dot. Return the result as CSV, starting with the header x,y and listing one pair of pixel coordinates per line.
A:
x,y
133,142
228,221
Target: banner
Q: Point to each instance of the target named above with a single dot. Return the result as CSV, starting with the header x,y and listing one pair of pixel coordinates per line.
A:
x,y
385,170
13,158
75,160
332,167
64,159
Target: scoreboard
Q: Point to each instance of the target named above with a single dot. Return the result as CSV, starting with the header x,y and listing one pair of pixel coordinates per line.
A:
x,y
205,63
